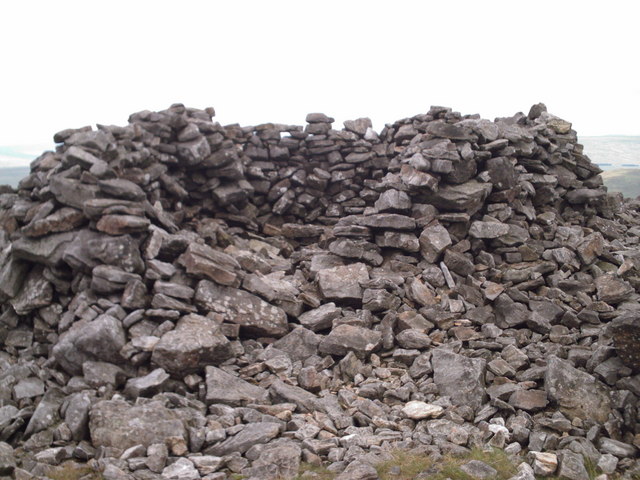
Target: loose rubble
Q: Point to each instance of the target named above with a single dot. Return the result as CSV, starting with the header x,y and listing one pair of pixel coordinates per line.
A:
x,y
183,300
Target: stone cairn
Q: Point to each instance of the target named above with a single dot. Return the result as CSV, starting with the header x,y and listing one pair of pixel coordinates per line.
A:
x,y
184,300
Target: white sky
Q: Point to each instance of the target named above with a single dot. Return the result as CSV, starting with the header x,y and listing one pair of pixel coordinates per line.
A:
x,y
72,63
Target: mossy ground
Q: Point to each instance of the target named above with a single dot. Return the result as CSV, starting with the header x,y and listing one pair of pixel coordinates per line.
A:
x,y
73,471
408,466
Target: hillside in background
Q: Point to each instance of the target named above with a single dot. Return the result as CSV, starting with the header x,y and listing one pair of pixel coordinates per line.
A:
x,y
625,180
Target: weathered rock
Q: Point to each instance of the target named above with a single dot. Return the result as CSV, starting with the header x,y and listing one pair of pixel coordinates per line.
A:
x,y
572,466
299,344
478,470
530,400
117,424
459,377
196,342
544,463
577,394
349,338
433,241
122,224
254,315
254,434
488,229
205,262
181,469
223,387
611,289
320,318
61,220
343,283
278,461
617,448
7,459
47,412
467,197
147,385
100,339
358,471
625,331
418,410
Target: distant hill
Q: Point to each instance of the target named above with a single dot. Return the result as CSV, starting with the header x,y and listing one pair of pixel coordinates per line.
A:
x,y
625,180
12,175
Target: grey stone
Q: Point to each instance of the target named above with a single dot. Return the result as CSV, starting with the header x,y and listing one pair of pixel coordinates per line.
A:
x,y
529,400
7,459
343,282
525,472
350,338
386,221
98,374
625,331
413,338
205,262
76,414
577,394
393,201
357,249
433,241
277,461
488,230
121,188
223,387
254,315
181,469
358,471
467,197
299,344
195,343
572,466
478,470
46,413
72,193
617,448
281,392
612,290
100,339
117,424
147,385
399,240
320,318
250,435
122,224
459,377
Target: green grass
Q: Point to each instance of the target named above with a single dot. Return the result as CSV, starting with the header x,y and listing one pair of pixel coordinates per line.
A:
x,y
73,471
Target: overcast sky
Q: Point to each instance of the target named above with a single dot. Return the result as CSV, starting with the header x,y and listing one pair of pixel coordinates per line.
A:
x,y
73,63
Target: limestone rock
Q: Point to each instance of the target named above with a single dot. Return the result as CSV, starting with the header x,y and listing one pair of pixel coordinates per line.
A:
x,y
117,424
349,338
254,315
343,283
577,394
223,387
459,377
196,342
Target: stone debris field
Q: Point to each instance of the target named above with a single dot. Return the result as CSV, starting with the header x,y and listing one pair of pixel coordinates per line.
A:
x,y
183,300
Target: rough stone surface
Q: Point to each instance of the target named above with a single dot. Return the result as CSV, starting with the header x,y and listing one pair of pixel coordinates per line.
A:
x,y
577,394
459,377
117,424
182,299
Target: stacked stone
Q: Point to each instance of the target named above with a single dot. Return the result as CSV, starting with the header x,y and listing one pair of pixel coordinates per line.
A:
x,y
183,299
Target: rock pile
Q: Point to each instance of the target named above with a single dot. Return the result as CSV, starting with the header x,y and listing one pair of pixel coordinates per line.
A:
x,y
184,300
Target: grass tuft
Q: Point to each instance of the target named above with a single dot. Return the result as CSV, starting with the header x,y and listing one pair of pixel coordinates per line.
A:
x,y
73,471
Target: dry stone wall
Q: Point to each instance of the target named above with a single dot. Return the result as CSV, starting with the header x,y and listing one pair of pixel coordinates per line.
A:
x,y
181,299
